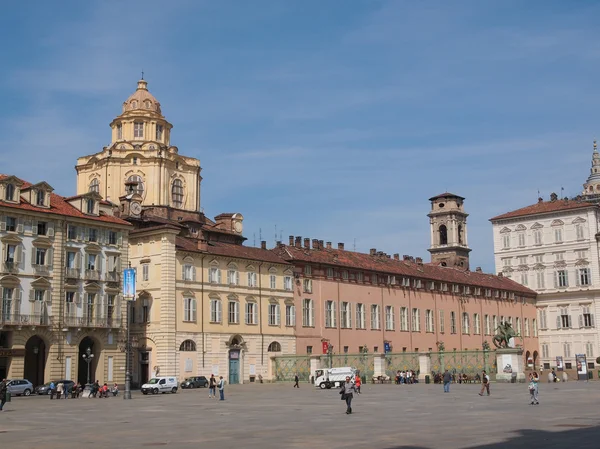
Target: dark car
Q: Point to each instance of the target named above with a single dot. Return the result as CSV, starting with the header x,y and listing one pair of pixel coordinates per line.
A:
x,y
45,389
195,382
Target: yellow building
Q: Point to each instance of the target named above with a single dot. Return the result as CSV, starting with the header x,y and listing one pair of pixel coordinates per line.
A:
x,y
206,303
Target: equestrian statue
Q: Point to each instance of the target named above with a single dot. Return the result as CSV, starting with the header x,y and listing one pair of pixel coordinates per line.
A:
x,y
505,333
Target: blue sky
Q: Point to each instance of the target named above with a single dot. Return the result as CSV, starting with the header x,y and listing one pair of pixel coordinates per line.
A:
x,y
330,119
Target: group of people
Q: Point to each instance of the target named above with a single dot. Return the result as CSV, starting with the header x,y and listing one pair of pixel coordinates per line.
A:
x,y
102,391
213,385
406,377
63,390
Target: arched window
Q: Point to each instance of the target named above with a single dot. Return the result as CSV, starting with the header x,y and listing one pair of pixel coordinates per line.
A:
x,y
95,186
443,235
188,345
177,193
139,188
10,192
274,347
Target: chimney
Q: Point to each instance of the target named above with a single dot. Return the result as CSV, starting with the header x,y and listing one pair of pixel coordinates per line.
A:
x,y
405,257
540,200
340,246
291,240
306,243
263,244
419,261
553,196
328,245
321,245
500,274
396,256
411,259
298,242
478,270
388,256
202,245
373,251
315,244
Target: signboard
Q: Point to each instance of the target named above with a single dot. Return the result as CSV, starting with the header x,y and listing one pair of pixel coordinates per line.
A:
x,y
559,363
12,352
386,346
129,284
325,347
215,369
581,367
507,363
252,370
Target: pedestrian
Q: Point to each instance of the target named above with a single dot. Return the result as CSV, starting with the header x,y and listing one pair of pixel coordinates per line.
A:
x,y
66,390
296,380
221,388
3,390
346,392
59,390
533,388
115,389
51,388
212,384
357,383
485,383
447,381
105,390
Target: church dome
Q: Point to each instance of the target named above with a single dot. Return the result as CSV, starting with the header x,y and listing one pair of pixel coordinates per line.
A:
x,y
142,100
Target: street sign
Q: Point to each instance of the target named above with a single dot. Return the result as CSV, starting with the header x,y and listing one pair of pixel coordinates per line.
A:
x,y
129,284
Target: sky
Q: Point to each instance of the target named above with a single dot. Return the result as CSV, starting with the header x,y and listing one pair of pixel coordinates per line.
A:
x,y
335,120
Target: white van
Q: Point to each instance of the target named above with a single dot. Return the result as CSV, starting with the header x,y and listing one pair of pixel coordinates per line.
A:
x,y
160,385
333,377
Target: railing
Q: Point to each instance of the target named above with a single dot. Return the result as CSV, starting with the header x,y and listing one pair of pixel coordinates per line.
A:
x,y
42,270
24,319
92,275
9,267
72,273
113,276
87,321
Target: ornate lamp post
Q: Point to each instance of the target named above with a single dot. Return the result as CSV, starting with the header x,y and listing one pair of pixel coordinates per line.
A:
x,y
88,357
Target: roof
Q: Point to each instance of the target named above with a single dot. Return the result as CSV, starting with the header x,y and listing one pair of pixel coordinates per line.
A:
x,y
383,264
60,206
545,207
230,250
445,195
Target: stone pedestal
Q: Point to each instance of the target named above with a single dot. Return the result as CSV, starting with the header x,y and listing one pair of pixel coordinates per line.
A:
x,y
378,365
510,365
315,364
424,366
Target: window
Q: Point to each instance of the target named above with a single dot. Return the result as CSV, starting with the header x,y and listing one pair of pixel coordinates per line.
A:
x,y
345,275
524,279
189,309
7,299
404,319
587,318
523,260
541,281
589,349
233,277
558,235
374,279
345,316
234,312
290,315
188,346
564,319
214,275
40,256
71,259
562,278
581,254
543,316
307,285
506,241
416,320
90,206
251,279
38,295
452,322
506,262
145,272
89,309
487,325
527,330
375,318
110,307
274,347
330,314
95,186
9,192
215,310
274,315
308,313
92,235
521,238
579,232
537,237
567,350
91,262
189,272
40,197
251,315
309,349
518,329
441,321
329,272
119,131
159,132
42,228
465,323
139,187
360,316
287,283
429,321
273,281
177,193
443,235
539,258
559,256
389,318
112,238
360,276
138,129
307,270
72,232
11,224
545,352
476,324
584,276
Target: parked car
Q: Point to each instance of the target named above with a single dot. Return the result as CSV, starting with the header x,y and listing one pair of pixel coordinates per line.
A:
x,y
195,382
18,387
45,389
160,385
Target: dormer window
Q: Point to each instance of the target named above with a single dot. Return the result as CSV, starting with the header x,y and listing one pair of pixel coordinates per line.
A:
x,y
138,129
40,198
134,104
119,131
91,205
10,192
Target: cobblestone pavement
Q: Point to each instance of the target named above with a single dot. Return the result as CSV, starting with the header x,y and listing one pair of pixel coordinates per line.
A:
x,y
279,416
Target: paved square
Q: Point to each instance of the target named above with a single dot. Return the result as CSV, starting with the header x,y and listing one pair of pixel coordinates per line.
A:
x,y
279,416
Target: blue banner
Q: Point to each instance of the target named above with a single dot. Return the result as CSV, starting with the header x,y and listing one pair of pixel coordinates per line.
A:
x,y
129,283
386,347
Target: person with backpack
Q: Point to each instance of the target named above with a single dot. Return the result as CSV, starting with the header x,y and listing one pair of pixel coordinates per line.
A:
x,y
485,383
3,390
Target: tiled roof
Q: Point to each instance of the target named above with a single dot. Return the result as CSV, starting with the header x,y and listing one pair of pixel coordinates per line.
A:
x,y
231,250
381,264
59,206
544,207
445,195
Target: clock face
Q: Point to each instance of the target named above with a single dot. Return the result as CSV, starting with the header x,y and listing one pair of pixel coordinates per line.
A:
x,y
135,208
237,226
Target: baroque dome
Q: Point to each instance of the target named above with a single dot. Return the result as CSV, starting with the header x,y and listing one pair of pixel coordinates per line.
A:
x,y
142,100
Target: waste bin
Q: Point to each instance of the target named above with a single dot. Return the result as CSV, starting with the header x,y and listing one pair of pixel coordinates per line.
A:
x,y
590,374
427,379
8,396
513,378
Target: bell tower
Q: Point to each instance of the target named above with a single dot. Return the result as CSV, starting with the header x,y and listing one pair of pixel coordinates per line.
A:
x,y
591,188
448,221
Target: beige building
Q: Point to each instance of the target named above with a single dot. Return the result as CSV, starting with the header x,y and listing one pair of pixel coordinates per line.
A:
x,y
205,303
60,284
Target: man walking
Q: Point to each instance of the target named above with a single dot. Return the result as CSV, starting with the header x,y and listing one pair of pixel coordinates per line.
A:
x,y
485,383
221,388
296,380
346,392
212,384
3,389
51,387
447,381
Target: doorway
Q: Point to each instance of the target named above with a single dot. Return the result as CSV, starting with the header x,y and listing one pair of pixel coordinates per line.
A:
x,y
82,371
35,360
144,367
234,366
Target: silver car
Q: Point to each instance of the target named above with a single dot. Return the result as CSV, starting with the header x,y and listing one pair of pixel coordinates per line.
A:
x,y
18,387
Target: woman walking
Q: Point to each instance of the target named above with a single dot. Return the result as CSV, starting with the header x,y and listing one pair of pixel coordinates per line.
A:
x,y
346,391
533,388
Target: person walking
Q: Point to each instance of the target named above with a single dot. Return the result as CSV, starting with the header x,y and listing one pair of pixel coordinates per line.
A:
x,y
51,387
296,380
212,387
485,383
447,381
3,390
533,388
59,390
346,391
221,388
357,383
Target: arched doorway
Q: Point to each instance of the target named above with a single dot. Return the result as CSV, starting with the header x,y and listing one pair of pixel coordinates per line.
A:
x,y
535,359
236,343
527,360
35,360
82,372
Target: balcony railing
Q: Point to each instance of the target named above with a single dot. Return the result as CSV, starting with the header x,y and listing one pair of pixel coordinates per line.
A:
x,y
92,275
72,273
92,321
41,270
9,267
24,319
113,276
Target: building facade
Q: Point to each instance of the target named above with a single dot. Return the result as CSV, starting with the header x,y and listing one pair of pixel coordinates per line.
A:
x,y
60,284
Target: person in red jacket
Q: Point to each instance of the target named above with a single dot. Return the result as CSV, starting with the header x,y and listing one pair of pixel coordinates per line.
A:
x,y
357,384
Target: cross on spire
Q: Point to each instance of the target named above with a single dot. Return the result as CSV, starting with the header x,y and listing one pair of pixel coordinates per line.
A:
x,y
142,74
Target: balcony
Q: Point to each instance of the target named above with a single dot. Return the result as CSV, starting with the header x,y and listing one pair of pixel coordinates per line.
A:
x,y
9,267
113,276
92,321
41,270
24,319
92,275
72,273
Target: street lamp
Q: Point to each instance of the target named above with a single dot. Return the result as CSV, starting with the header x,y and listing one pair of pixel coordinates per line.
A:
x,y
88,357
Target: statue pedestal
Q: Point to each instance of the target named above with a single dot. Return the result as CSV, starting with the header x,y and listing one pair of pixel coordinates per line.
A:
x,y
510,365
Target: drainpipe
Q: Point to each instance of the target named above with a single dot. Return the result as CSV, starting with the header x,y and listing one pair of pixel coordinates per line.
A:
x,y
61,301
260,321
202,310
340,323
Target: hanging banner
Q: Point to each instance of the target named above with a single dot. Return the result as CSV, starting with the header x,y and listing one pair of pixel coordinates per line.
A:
x,y
129,284
325,347
386,346
559,363
581,367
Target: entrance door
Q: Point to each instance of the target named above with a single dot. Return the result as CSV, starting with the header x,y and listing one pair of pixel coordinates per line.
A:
x,y
144,367
234,367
